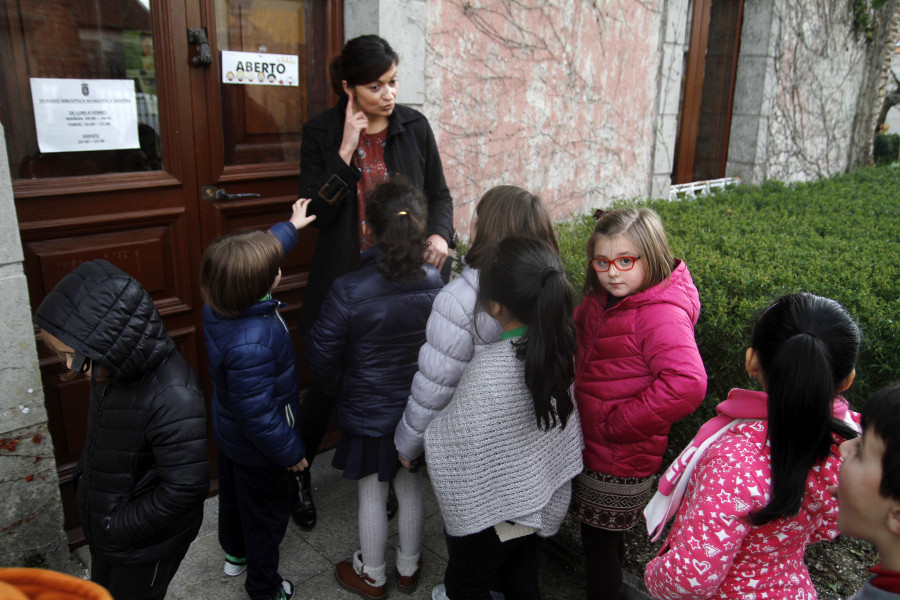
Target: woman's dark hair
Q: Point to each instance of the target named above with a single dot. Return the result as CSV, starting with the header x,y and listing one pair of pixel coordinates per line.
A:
x,y
507,210
238,270
807,347
524,275
395,210
362,60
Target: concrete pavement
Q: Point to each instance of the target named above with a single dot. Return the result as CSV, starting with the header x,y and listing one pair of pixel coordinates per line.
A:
x,y
308,558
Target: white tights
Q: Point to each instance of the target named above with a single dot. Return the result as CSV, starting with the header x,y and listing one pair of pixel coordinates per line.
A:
x,y
373,522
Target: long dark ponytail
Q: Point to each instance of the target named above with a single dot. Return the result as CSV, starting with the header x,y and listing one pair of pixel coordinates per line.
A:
x,y
807,346
524,275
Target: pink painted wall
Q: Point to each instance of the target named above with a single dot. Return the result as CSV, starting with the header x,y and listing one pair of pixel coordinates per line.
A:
x,y
557,97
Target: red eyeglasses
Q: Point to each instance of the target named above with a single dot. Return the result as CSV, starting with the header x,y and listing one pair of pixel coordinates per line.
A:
x,y
623,263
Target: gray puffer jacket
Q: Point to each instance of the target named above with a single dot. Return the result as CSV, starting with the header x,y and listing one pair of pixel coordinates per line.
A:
x,y
455,333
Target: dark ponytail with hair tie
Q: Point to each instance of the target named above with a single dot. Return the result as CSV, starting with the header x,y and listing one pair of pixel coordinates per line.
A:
x,y
517,275
807,347
546,274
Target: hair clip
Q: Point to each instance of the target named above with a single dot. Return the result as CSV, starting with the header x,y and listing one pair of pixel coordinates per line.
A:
x,y
402,212
598,214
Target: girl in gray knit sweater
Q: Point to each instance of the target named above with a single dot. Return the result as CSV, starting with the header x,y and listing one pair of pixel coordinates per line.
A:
x,y
502,454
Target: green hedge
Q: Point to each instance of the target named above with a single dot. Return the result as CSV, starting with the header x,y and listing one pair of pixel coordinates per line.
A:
x,y
744,246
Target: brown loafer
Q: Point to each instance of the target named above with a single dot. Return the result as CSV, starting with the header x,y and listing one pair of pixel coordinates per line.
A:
x,y
408,585
357,582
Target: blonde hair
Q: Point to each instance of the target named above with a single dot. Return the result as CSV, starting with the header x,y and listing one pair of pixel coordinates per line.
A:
x,y
645,229
238,270
507,210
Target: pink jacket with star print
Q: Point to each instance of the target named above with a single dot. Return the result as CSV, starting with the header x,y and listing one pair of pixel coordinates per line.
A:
x,y
637,371
713,551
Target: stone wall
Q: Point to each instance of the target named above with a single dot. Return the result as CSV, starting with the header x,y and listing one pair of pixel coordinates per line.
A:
x,y
402,23
807,90
31,519
557,97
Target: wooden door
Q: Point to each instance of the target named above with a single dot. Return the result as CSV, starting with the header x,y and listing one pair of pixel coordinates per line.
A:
x,y
151,208
251,140
708,94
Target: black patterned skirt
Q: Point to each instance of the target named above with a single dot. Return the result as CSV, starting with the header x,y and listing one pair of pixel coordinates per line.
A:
x,y
609,502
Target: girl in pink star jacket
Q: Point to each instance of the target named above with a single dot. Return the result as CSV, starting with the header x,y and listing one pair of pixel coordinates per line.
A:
x,y
758,472
637,371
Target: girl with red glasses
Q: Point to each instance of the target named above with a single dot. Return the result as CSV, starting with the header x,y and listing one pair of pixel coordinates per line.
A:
x,y
637,371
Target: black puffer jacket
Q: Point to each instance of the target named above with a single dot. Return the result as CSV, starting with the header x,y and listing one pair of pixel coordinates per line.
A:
x,y
143,473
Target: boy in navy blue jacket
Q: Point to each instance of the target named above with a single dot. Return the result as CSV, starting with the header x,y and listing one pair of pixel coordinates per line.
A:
x,y
253,368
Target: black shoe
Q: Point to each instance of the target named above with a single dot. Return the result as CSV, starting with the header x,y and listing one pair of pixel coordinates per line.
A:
x,y
303,510
391,503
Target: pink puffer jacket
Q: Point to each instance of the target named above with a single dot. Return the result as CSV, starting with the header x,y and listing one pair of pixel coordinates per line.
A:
x,y
637,371
713,551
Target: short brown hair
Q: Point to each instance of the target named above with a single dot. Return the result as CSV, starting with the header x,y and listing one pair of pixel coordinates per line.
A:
x,y
508,210
646,230
238,270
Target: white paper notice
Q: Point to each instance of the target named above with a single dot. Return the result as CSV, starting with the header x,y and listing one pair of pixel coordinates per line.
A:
x,y
251,68
78,115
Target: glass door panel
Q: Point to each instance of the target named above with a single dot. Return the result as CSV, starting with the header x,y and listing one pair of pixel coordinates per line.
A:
x,y
262,112
84,41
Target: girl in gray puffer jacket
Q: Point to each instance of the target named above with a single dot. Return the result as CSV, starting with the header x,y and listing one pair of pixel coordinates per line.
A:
x,y
456,332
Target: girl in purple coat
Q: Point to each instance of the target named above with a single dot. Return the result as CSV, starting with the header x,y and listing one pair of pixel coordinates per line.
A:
x,y
363,348
637,371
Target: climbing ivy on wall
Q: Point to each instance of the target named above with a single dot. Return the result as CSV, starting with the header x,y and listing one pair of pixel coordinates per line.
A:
x,y
863,20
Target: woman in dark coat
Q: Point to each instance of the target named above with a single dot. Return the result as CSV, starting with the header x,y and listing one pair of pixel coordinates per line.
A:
x,y
346,151
143,473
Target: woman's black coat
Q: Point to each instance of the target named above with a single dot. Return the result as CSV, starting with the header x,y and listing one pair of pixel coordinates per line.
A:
x,y
410,151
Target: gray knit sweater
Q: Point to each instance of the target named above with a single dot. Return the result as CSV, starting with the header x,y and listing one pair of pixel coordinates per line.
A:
x,y
488,460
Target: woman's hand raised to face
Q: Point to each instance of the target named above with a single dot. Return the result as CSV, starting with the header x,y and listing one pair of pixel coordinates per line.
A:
x,y
354,124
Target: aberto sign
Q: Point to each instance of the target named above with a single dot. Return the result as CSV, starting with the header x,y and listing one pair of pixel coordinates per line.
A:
x,y
250,68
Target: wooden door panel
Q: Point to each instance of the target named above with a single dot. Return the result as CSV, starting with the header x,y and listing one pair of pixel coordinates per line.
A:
x,y
67,404
262,124
150,245
719,78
